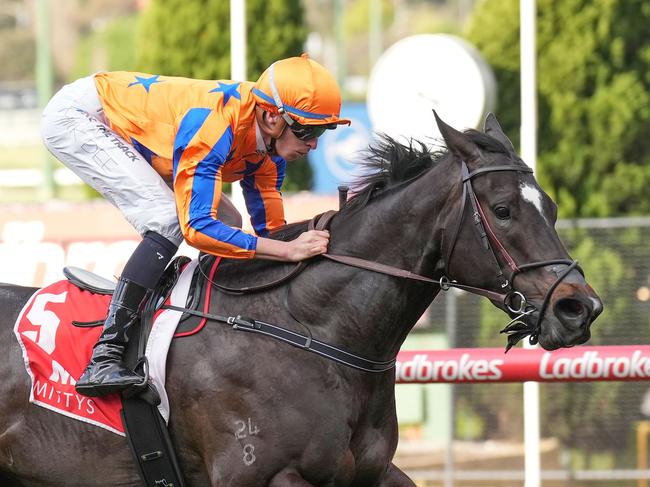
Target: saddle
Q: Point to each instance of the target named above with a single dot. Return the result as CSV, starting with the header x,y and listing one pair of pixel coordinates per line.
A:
x,y
199,294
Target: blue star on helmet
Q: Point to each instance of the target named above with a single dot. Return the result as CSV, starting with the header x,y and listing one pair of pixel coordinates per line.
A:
x,y
146,82
228,90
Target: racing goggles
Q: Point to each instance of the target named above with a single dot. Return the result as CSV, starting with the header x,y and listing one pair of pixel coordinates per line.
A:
x,y
309,132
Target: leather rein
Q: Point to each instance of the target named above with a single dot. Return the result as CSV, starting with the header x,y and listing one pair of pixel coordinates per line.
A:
x,y
321,222
508,299
513,300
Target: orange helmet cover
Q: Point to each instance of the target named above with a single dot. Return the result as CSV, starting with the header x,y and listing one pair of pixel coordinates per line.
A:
x,y
307,91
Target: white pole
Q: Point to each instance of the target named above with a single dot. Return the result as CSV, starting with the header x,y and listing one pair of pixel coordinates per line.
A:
x,y
451,324
528,69
238,71
528,54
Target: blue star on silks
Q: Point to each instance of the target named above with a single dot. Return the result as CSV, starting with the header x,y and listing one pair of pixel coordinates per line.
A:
x,y
146,82
228,90
251,167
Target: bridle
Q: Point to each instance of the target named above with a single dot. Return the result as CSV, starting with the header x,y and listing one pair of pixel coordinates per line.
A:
x,y
514,301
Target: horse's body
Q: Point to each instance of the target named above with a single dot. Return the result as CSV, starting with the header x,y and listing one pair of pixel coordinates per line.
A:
x,y
247,410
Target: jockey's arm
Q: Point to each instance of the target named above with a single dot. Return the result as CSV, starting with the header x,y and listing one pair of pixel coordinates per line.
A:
x,y
264,204
197,187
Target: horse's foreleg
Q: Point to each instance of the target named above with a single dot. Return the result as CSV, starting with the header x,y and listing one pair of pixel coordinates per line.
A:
x,y
289,478
394,477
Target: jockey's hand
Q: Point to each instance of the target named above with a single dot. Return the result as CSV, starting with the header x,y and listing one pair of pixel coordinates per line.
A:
x,y
306,245
309,244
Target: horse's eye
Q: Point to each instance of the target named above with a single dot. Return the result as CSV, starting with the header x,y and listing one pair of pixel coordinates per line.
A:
x,y
502,212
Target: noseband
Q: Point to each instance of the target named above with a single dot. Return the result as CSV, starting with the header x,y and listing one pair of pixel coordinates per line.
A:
x,y
513,300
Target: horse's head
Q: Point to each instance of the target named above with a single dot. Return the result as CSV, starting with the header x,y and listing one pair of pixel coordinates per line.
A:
x,y
501,238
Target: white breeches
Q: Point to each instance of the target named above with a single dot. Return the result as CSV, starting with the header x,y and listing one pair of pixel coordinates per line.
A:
x,y
76,131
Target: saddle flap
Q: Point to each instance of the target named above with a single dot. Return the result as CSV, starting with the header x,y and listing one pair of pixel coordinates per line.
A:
x,y
88,281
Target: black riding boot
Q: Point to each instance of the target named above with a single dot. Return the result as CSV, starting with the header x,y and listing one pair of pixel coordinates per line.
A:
x,y
106,371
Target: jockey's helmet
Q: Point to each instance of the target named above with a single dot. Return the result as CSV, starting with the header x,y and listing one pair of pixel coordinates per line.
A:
x,y
304,93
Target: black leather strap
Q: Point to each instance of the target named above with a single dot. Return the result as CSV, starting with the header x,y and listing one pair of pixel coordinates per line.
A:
x,y
296,339
150,444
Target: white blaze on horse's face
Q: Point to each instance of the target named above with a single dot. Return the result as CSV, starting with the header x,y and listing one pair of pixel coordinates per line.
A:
x,y
533,195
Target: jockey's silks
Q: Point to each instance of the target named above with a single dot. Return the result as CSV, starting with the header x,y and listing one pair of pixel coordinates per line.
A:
x,y
199,134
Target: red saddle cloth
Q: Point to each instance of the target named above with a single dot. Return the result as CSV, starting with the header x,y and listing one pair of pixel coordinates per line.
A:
x,y
56,352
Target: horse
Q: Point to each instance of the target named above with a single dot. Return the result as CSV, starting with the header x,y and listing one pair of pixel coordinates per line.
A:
x,y
248,410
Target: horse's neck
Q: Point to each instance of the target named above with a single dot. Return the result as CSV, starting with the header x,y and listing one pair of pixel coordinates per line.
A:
x,y
365,311
399,229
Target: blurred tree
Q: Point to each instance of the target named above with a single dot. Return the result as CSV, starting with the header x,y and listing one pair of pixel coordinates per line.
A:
x,y
594,97
299,176
108,48
17,55
92,35
192,38
17,42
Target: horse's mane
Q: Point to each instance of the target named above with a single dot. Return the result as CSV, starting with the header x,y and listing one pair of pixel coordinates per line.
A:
x,y
389,163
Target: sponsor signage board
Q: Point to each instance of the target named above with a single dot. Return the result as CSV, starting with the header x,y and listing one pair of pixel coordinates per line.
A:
x,y
581,364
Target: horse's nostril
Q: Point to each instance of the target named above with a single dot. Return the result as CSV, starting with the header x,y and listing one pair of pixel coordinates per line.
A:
x,y
571,308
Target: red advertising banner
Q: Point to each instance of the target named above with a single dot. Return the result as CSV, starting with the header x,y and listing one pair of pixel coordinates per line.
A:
x,y
580,364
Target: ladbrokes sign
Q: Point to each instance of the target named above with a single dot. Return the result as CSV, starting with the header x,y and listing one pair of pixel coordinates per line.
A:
x,y
630,362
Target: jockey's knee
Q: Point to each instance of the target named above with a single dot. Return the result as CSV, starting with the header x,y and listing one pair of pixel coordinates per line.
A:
x,y
164,223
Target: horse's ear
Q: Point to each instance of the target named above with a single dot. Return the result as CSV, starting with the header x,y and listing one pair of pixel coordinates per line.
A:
x,y
493,129
457,142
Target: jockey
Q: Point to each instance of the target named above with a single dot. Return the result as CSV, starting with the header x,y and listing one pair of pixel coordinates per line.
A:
x,y
159,149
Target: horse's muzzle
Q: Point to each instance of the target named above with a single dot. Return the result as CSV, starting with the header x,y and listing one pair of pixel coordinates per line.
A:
x,y
574,312
577,313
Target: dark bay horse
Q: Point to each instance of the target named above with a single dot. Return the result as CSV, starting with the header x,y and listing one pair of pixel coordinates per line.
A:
x,y
247,410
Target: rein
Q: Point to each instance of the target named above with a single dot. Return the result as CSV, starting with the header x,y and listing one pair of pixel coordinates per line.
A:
x,y
513,300
322,222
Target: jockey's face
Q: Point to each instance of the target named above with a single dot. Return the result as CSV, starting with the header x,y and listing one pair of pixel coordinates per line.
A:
x,y
290,147
287,144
